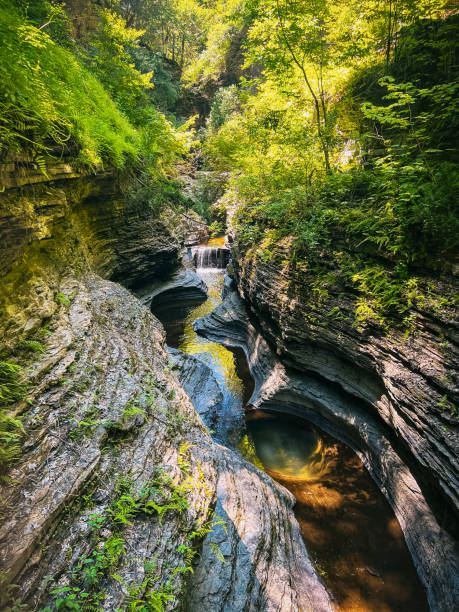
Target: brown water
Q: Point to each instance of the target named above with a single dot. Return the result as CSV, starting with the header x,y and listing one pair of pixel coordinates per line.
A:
x,y
347,524
219,241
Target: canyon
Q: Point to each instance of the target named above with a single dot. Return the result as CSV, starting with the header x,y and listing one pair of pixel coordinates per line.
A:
x,y
127,440
114,453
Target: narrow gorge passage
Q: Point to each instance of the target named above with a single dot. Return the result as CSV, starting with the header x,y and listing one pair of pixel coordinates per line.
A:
x,y
229,331
347,525
227,365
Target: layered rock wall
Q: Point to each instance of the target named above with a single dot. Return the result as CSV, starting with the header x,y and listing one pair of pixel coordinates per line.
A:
x,y
83,223
113,494
409,382
285,385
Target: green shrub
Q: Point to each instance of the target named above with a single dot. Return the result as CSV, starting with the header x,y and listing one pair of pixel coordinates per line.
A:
x,y
225,104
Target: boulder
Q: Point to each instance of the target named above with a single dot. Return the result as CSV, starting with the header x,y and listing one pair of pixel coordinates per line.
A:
x,y
198,380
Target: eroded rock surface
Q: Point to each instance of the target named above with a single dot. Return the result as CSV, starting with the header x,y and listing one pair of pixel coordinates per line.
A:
x,y
116,484
123,242
110,434
261,560
83,224
281,388
410,382
265,567
198,380
182,288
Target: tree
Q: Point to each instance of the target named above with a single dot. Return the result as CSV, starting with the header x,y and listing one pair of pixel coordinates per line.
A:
x,y
109,59
306,36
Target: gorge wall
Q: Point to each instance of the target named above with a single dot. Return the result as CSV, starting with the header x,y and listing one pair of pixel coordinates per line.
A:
x,y
118,492
380,394
409,382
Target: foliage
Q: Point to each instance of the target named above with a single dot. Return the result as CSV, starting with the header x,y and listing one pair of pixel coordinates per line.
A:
x,y
48,97
221,21
416,118
12,389
305,38
174,28
12,386
34,346
165,91
56,97
110,61
388,203
63,300
224,105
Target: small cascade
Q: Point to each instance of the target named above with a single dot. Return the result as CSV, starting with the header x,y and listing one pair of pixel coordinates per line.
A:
x,y
211,257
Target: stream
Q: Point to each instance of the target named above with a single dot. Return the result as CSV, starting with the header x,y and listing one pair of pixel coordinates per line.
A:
x,y
347,524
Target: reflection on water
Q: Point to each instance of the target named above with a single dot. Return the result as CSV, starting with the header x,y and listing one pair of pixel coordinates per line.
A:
x,y
347,524
285,450
186,339
180,334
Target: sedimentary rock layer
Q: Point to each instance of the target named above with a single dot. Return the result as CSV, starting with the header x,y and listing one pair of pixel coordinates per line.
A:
x,y
265,567
183,288
407,381
117,480
280,387
106,420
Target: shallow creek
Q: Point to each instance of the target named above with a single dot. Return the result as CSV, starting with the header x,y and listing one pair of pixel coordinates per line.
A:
x,y
347,524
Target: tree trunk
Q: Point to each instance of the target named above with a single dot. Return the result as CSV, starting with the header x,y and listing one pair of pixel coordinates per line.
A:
x,y
183,51
389,35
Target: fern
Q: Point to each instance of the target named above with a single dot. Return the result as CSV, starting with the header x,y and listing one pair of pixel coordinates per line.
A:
x,y
34,346
41,163
12,389
215,548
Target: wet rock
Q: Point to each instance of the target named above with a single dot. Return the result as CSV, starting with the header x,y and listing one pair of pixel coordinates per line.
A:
x,y
183,288
228,285
410,382
200,384
281,388
256,558
114,456
81,459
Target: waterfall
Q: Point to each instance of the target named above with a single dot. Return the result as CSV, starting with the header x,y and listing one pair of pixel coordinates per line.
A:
x,y
211,257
